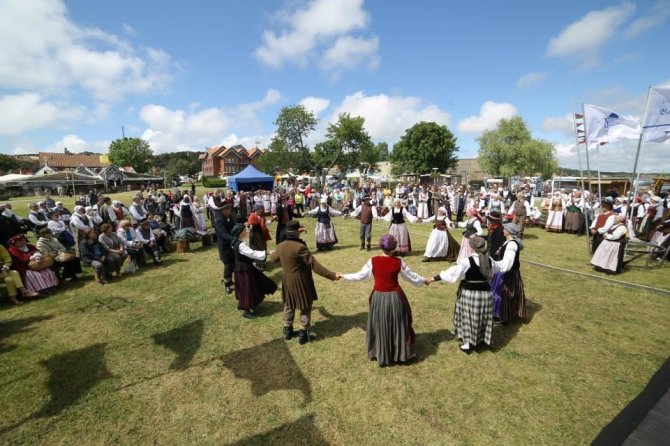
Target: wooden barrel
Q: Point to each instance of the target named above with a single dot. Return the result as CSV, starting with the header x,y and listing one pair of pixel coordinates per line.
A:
x,y
182,246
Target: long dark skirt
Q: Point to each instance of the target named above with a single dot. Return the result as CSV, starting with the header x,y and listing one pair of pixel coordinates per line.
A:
x,y
513,297
453,249
389,335
251,287
69,268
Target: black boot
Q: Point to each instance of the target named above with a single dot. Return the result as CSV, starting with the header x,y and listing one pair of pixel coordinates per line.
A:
x,y
362,244
368,248
303,337
248,314
288,332
229,287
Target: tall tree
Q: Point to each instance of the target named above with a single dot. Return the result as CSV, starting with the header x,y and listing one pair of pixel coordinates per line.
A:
x,y
280,158
294,125
133,152
510,150
346,141
382,149
424,146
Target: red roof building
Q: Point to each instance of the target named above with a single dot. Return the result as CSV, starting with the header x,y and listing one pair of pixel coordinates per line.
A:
x,y
227,161
68,161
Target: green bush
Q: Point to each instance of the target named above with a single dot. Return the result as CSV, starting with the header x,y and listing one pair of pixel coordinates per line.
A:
x,y
213,182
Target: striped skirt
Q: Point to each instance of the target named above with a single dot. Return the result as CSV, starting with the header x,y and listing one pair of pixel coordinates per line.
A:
x,y
401,234
40,280
325,235
473,316
389,334
573,221
513,297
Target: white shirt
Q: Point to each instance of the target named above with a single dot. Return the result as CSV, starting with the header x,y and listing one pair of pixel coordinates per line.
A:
x,y
366,272
252,254
457,272
360,208
407,215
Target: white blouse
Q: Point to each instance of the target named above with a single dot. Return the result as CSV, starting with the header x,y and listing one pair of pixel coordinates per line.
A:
x,y
248,252
477,224
407,215
457,272
366,272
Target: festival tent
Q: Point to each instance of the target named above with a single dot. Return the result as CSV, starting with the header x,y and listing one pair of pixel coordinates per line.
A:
x,y
250,179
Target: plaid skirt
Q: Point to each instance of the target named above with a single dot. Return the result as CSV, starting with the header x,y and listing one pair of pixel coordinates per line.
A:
x,y
473,316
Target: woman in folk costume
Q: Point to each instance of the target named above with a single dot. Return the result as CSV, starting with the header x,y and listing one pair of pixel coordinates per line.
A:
x,y
22,253
473,227
494,241
251,285
653,214
496,204
389,334
199,215
266,202
186,213
574,217
513,302
422,208
441,244
274,196
12,279
398,228
473,310
325,231
544,212
259,234
608,258
555,214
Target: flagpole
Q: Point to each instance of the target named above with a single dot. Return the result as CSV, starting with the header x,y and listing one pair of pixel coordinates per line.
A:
x,y
586,144
581,175
635,178
600,183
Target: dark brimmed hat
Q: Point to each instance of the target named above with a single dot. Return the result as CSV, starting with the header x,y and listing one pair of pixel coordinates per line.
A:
x,y
494,217
606,204
293,229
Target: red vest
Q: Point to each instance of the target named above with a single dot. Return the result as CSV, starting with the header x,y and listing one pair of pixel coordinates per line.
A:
x,y
601,219
385,270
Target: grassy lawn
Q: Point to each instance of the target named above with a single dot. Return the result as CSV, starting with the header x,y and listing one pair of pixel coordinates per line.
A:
x,y
164,357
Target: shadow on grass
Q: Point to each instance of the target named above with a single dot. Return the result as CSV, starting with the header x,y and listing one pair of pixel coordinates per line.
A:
x,y
336,325
184,341
301,431
268,367
502,334
10,328
530,237
71,376
427,344
269,308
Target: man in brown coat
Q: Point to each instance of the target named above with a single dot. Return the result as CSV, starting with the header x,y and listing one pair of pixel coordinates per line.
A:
x,y
298,291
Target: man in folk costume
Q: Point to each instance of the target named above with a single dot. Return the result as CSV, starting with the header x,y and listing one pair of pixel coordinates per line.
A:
x,y
601,224
521,210
608,258
367,213
37,218
284,215
138,211
298,290
223,224
259,234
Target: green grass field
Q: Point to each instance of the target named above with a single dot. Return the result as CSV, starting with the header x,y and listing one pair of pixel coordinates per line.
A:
x,y
163,357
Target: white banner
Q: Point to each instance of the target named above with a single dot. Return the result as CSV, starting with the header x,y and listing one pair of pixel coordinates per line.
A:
x,y
656,126
604,125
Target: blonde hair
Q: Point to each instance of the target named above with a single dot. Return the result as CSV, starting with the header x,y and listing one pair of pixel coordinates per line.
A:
x,y
124,222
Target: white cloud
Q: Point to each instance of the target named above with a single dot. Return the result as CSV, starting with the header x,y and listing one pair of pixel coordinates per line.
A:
x,y
76,144
171,130
489,115
129,30
43,50
23,112
564,124
321,30
387,117
314,104
530,78
658,15
585,38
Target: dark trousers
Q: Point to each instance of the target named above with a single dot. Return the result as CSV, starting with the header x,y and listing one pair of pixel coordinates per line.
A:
x,y
228,273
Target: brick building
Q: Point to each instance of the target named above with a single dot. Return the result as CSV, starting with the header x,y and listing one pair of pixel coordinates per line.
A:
x,y
227,161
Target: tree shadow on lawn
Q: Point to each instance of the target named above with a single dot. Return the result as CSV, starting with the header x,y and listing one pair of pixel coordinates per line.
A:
x,y
301,431
427,344
337,325
269,308
502,334
9,328
268,366
185,341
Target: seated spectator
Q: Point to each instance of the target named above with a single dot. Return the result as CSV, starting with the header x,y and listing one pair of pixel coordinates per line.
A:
x,y
146,236
93,216
59,229
22,254
63,257
64,212
36,218
9,226
114,246
129,239
95,255
12,279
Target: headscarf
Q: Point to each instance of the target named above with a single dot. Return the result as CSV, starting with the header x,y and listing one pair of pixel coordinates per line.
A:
x,y
388,243
478,244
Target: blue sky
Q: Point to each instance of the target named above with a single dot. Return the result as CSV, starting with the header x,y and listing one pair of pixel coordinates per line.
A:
x,y
187,75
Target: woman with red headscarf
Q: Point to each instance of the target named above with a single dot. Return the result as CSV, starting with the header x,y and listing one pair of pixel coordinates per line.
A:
x,y
389,333
22,253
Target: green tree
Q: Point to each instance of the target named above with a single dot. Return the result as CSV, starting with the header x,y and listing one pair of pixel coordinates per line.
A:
x,y
424,146
346,141
184,162
294,125
510,150
9,163
133,152
382,149
279,158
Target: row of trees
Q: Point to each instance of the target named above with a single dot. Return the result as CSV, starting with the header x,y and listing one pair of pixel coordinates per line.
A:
x,y
505,151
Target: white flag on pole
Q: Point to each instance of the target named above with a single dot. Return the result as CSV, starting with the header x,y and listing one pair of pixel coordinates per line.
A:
x,y
604,125
656,126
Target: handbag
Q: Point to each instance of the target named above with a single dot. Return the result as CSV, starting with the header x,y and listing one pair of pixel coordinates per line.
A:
x,y
64,257
41,263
